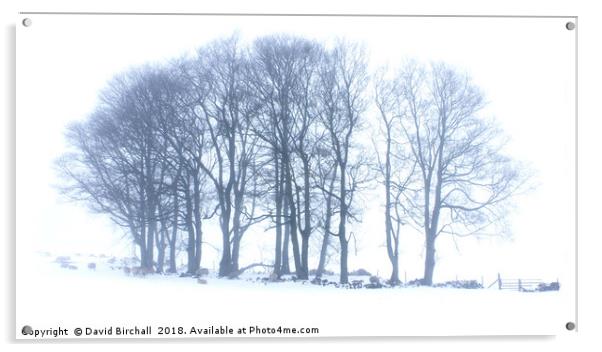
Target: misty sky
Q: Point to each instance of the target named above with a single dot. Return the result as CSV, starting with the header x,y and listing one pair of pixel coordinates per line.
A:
x,y
525,67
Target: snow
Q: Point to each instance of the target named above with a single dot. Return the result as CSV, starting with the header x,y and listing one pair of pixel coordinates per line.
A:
x,y
49,296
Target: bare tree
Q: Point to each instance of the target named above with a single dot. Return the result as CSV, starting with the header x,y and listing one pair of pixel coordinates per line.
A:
x,y
343,81
307,134
115,165
187,144
465,180
220,103
284,77
393,164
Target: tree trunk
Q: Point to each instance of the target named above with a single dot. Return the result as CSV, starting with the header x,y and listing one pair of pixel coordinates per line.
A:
x,y
293,237
172,255
150,244
342,228
150,206
304,272
236,228
278,200
344,270
326,239
198,241
323,251
225,264
292,219
429,262
305,234
235,251
395,272
142,246
174,230
161,250
391,253
286,268
190,246
198,225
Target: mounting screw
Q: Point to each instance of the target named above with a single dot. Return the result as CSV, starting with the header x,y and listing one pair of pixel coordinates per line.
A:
x,y
27,22
570,26
570,326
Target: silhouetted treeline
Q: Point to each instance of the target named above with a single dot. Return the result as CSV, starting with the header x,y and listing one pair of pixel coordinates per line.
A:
x,y
269,133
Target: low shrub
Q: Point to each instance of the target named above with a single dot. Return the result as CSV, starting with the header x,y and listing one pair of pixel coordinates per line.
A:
x,y
552,286
415,282
469,284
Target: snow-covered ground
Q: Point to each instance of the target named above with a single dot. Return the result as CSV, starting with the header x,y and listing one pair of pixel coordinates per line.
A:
x,y
52,295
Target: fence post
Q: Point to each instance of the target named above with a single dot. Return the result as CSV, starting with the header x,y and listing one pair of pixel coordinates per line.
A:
x,y
520,286
499,281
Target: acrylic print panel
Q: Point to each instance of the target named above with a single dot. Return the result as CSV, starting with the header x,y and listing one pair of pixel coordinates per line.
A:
x,y
242,176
